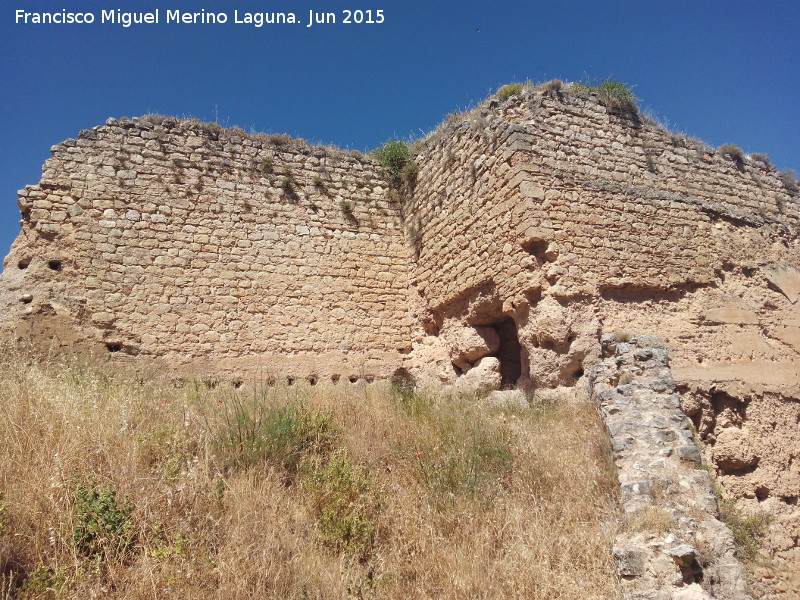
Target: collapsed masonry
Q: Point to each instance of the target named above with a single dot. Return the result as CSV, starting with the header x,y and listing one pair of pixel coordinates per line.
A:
x,y
536,224
673,545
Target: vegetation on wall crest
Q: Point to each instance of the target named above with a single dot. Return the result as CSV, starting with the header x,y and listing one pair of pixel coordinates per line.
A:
x,y
615,95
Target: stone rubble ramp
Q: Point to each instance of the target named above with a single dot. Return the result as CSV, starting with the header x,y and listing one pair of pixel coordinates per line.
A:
x,y
672,544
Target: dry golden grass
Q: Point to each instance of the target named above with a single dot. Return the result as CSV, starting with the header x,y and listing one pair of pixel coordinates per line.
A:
x,y
366,493
651,519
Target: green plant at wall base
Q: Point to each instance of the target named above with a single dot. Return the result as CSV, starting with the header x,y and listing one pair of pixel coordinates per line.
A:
x,y
410,400
102,526
465,457
345,501
748,530
264,429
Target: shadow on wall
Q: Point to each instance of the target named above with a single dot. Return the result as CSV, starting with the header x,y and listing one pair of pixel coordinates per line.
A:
x,y
510,352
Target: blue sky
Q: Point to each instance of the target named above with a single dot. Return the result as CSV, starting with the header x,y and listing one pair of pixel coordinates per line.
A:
x,y
726,72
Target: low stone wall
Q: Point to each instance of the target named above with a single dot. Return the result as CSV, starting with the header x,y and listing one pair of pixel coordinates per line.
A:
x,y
672,544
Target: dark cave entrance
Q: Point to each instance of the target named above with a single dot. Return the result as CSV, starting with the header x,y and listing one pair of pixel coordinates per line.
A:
x,y
510,352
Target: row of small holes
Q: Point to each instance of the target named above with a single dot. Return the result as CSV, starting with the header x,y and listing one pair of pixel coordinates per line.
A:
x,y
237,383
313,380
53,265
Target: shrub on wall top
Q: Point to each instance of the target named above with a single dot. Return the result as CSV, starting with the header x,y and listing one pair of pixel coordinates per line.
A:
x,y
394,156
617,96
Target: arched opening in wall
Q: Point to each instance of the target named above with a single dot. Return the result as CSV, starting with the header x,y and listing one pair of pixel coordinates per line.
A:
x,y
510,352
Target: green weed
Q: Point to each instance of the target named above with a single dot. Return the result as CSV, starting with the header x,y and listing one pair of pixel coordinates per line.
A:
x,y
265,166
265,429
412,402
748,530
162,549
346,206
102,526
511,89
463,456
44,583
345,501
394,156
617,96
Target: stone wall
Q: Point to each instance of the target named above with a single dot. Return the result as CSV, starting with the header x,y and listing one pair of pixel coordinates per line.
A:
x,y
177,240
536,224
613,201
671,543
548,209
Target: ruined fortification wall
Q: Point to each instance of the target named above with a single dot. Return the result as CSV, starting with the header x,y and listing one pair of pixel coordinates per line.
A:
x,y
548,208
613,201
545,221
673,544
175,240
536,224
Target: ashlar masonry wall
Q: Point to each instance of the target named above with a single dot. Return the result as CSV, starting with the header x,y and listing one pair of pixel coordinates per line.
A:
x,y
172,239
538,207
549,178
536,225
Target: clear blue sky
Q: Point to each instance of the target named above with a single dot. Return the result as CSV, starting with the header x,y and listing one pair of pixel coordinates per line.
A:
x,y
726,72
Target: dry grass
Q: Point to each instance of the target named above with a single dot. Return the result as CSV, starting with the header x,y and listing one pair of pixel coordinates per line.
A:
x,y
653,519
342,492
731,152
